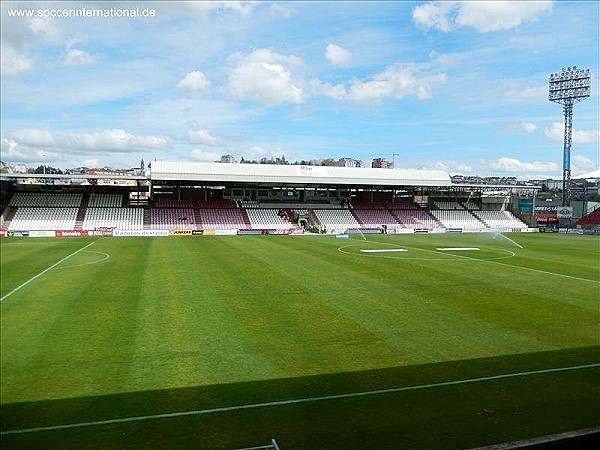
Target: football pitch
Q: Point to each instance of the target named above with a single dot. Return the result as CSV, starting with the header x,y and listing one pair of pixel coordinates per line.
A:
x,y
387,341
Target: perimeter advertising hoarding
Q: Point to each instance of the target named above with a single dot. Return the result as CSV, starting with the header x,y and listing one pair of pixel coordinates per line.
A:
x,y
71,233
17,233
181,232
140,233
43,233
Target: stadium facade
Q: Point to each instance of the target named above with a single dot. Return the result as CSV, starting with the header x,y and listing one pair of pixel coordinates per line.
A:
x,y
214,198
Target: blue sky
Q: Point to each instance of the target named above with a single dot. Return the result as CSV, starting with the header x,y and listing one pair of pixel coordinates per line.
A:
x,y
457,86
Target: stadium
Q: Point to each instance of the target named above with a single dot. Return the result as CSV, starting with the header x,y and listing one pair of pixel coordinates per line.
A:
x,y
230,306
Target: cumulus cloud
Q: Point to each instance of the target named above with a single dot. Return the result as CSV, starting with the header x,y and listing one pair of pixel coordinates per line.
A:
x,y
483,16
203,156
258,152
14,62
195,135
453,167
318,88
396,82
265,77
338,56
511,165
434,15
19,34
114,140
75,57
194,81
580,164
15,152
556,133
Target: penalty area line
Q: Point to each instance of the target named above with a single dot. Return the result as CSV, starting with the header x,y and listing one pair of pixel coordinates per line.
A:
x,y
296,401
43,272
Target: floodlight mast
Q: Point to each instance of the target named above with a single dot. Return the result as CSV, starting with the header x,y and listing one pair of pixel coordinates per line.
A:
x,y
567,87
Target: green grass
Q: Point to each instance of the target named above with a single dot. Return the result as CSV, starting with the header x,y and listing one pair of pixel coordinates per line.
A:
x,y
143,326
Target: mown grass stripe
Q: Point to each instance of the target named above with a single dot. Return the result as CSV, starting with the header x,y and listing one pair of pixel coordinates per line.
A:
x,y
297,401
43,272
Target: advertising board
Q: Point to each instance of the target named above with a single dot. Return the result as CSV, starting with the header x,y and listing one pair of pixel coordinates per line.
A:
x,y
226,232
140,233
71,233
42,234
180,232
17,233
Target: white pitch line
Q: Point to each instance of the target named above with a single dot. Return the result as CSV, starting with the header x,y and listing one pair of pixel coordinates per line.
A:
x,y
458,249
384,250
43,272
294,401
507,265
525,268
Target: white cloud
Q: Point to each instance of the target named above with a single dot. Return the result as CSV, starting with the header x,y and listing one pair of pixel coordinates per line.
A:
x,y
75,57
91,162
114,140
580,164
19,34
16,153
317,87
281,10
338,56
45,28
486,16
194,81
265,77
557,130
13,61
445,59
201,9
197,136
201,137
511,165
483,16
397,82
434,15
522,127
453,167
33,136
528,93
257,152
200,155
529,127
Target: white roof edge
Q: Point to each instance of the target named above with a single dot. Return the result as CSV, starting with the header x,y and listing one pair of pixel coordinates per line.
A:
x,y
588,176
270,173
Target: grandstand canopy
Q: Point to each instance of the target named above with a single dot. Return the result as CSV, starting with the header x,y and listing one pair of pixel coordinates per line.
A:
x,y
588,176
293,175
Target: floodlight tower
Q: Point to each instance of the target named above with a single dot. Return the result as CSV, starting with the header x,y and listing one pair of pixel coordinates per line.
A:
x,y
567,87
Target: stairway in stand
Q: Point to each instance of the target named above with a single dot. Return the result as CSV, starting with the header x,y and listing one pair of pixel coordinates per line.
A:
x,y
85,200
